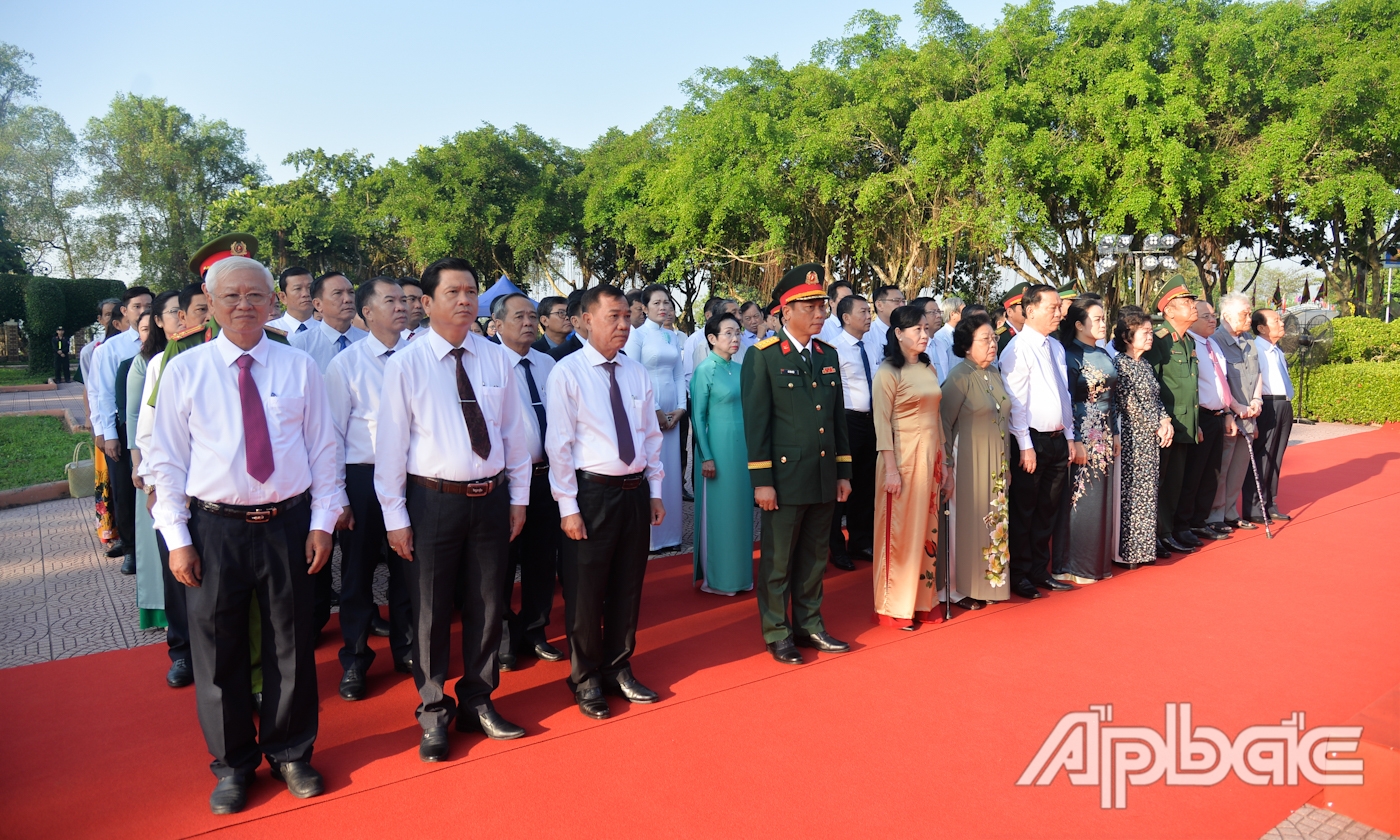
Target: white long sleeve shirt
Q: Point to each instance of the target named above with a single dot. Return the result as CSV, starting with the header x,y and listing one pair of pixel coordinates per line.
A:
x,y
1273,369
354,382
288,324
321,342
940,350
197,446
1033,368
422,431
695,351
102,392
541,366
855,387
831,328
1212,389
582,434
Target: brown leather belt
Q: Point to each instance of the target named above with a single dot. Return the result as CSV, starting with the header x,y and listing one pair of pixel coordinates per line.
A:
x,y
470,489
626,482
257,514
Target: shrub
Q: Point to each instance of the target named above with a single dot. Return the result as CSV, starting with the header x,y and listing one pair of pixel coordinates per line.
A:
x,y
81,297
12,288
1366,392
1364,340
44,313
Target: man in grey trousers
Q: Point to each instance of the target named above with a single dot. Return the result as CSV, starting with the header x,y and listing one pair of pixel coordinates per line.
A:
x,y
1246,401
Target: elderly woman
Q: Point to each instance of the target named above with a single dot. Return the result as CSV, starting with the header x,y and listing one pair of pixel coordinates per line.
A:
x,y
659,350
1145,428
909,443
975,413
723,494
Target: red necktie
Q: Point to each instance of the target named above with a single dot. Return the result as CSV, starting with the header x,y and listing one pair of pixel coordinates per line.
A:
x,y
471,409
257,444
1221,383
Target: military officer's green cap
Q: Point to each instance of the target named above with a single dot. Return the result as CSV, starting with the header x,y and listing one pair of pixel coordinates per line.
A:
x,y
1013,295
228,245
803,282
1068,292
1175,288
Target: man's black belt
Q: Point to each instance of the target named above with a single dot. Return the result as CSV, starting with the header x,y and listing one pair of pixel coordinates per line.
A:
x,y
1055,433
1217,412
252,513
861,413
1275,397
542,468
626,482
470,489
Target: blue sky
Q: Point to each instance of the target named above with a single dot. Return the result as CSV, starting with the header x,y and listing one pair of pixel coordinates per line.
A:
x,y
386,78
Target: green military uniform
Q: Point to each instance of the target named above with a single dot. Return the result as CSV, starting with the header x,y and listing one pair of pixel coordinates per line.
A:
x,y
795,427
1173,360
1007,332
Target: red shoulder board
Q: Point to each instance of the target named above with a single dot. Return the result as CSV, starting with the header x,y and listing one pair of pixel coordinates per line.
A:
x,y
816,345
787,348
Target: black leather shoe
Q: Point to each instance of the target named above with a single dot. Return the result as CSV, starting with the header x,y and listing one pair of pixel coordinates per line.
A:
x,y
1280,517
627,686
180,674
404,666
823,641
352,685
843,563
1244,525
1209,534
1163,553
116,549
1187,538
546,652
257,701
591,703
864,553
433,746
1053,585
302,780
229,796
1220,528
379,626
1258,520
489,721
968,604
1172,544
506,661
785,651
1026,589
129,564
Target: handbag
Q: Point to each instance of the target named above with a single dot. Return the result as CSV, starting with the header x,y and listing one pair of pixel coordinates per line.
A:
x,y
82,475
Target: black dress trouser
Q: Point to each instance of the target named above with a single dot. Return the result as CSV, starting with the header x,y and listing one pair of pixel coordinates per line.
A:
x,y
1275,427
1034,506
362,549
602,580
123,492
1172,474
1202,475
859,507
461,546
242,561
536,554
177,622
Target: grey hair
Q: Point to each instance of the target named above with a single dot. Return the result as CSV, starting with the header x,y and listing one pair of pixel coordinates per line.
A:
x,y
232,265
1235,300
498,306
951,306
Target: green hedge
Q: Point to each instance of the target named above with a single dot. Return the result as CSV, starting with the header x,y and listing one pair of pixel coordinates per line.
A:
x,y
1365,392
12,288
46,303
1364,340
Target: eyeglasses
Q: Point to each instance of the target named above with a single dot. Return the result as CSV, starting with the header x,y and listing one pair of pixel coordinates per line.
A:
x,y
255,299
174,310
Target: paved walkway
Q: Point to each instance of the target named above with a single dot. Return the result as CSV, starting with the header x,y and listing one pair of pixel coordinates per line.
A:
x,y
69,396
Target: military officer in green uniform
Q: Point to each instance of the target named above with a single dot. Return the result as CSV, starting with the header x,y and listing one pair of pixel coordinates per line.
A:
x,y
799,463
1068,295
1173,360
1015,315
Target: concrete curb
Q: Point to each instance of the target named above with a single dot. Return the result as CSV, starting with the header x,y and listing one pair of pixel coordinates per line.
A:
x,y
33,494
19,389
66,415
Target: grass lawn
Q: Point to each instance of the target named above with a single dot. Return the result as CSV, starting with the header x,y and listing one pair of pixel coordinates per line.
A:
x,y
21,376
34,450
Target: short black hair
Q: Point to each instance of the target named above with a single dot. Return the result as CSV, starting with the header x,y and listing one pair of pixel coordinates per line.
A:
x,y
288,273
846,305
635,296
750,304
974,308
833,288
187,295
903,317
433,273
966,329
713,305
411,281
1034,293
884,292
548,303
319,285
1257,320
135,292
923,302
650,291
574,304
589,299
1129,319
367,290
714,324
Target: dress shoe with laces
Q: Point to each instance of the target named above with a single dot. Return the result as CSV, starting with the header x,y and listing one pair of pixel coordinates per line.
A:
x,y
1280,517
1173,544
433,746
785,651
129,564
546,652
1187,538
229,796
626,685
1026,589
1209,534
404,666
180,674
379,626
352,685
591,702
823,641
488,721
843,562
302,780
1053,585
1244,525
1163,553
506,661
1220,528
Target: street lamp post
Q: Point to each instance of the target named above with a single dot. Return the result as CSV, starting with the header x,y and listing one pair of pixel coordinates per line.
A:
x,y
1154,256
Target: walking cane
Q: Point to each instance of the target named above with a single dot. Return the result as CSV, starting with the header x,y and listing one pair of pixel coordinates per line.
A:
x,y
943,557
1258,485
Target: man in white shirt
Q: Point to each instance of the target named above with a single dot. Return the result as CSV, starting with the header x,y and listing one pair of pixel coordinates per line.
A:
x,y
604,450
413,294
941,345
295,294
107,426
243,461
1042,421
334,299
753,319
105,311
857,376
354,382
452,473
1275,420
1202,476
536,551
887,300
835,293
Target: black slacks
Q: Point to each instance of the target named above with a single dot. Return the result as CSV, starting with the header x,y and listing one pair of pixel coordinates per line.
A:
x,y
177,627
536,554
362,549
1034,506
1201,477
62,372
1275,427
243,561
602,580
123,492
859,507
1172,476
461,546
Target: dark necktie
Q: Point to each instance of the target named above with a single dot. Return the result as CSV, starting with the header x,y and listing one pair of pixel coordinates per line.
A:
x,y
301,327
388,353
626,450
257,444
341,343
865,362
534,397
471,409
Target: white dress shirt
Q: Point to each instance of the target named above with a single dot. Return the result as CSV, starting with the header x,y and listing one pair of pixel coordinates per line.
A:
x,y
321,342
422,430
1033,368
853,383
1212,389
197,447
941,351
582,434
695,351
288,324
146,420
102,392
354,382
876,337
409,335
1273,369
541,365
831,327
85,360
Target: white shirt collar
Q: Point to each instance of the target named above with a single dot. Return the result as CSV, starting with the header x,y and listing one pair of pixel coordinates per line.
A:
x,y
516,358
441,346
594,357
230,352
800,345
1031,334
377,348
333,335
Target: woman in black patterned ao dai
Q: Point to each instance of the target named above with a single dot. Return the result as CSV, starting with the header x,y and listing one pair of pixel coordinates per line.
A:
x,y
1145,428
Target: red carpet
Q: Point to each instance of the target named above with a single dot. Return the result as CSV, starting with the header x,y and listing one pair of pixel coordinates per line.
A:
x,y
910,735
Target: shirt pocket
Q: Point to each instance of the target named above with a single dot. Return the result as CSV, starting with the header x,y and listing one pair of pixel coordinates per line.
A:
x,y
285,413
639,410
492,397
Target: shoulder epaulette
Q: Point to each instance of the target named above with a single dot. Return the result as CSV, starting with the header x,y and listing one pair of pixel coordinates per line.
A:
x,y
1163,332
186,333
767,342
827,344
275,331
1001,330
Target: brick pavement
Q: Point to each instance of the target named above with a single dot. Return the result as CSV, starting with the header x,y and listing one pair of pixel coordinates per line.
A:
x,y
69,396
